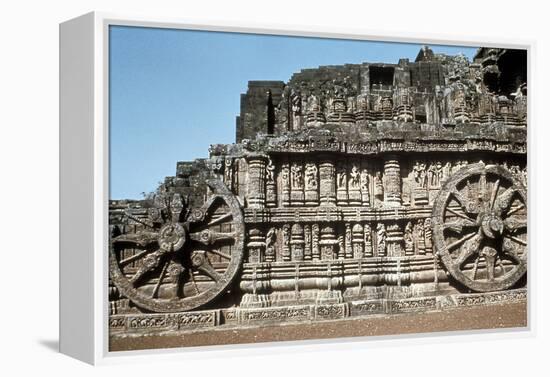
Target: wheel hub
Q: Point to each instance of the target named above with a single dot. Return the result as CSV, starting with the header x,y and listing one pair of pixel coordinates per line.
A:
x,y
491,225
172,237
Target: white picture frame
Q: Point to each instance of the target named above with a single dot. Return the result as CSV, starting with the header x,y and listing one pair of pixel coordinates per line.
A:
x,y
84,175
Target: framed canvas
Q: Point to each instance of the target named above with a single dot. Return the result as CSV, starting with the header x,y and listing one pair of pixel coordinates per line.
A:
x,y
225,185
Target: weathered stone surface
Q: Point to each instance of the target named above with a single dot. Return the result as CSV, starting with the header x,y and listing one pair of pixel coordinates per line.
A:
x,y
352,190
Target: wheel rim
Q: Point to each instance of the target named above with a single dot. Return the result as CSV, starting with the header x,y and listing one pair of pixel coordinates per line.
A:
x,y
184,257
480,227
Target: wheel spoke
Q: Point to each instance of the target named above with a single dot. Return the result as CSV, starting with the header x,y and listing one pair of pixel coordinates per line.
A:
x,y
175,271
220,219
222,236
518,240
514,210
509,249
144,223
152,261
458,225
176,206
194,283
198,215
501,265
512,253
200,262
504,200
159,282
468,249
460,198
220,253
515,224
209,237
456,213
460,241
490,266
483,185
207,207
141,239
475,268
134,257
464,255
207,269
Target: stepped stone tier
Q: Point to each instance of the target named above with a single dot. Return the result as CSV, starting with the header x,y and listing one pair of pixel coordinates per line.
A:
x,y
351,190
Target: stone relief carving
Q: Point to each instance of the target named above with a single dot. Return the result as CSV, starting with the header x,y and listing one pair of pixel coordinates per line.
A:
x,y
420,174
297,177
270,172
378,186
368,241
428,235
328,215
342,176
381,239
354,180
270,245
418,231
311,176
286,242
408,238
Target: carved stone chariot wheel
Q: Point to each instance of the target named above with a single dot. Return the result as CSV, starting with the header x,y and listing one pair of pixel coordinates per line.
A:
x,y
480,227
181,258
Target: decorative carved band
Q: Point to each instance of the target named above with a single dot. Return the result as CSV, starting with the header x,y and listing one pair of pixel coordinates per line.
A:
x,y
191,321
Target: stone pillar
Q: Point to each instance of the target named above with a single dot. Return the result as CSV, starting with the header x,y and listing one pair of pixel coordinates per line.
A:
x,y
255,245
270,254
342,183
286,243
394,240
297,184
228,173
315,249
428,235
240,179
307,239
354,185
270,185
311,184
381,240
285,184
368,252
328,242
392,181
348,244
408,239
365,187
357,241
297,242
341,251
327,183
378,189
256,181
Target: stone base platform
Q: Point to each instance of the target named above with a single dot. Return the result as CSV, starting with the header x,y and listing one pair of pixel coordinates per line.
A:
x,y
357,318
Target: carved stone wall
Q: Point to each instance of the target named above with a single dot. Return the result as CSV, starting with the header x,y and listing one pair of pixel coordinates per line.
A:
x,y
384,189
434,90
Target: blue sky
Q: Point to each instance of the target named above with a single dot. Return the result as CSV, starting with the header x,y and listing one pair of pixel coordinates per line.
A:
x,y
175,92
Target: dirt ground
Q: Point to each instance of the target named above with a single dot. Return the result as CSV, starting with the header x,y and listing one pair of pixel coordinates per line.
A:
x,y
473,318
